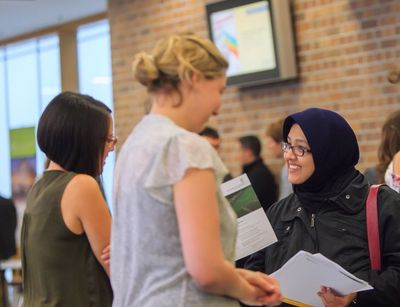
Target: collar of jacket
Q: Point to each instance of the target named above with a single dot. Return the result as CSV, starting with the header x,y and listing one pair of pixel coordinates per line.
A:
x,y
350,200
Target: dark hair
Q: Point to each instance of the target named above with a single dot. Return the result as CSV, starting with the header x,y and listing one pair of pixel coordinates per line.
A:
x,y
72,132
275,130
390,143
210,132
251,142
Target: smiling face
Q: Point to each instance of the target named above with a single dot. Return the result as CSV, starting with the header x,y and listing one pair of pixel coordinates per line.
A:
x,y
299,168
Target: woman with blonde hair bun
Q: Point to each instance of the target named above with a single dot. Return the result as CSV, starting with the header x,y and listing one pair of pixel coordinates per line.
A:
x,y
173,233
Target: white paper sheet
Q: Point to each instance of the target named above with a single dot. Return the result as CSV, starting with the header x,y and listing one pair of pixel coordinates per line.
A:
x,y
303,275
254,229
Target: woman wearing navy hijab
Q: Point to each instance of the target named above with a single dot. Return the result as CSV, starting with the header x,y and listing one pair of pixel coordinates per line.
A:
x,y
326,212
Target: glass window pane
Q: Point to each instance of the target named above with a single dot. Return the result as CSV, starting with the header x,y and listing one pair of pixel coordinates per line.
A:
x,y
50,74
94,61
50,80
95,79
22,77
34,66
5,169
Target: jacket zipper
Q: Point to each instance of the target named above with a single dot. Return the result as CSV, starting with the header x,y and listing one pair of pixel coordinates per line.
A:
x,y
312,220
312,226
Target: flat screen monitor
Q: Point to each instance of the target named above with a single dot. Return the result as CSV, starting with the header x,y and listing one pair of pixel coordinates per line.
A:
x,y
256,37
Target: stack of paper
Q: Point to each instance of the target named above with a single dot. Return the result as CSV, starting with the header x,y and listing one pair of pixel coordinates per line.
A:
x,y
303,275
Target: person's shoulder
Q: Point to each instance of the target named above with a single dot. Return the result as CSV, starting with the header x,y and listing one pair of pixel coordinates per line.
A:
x,y
386,192
83,183
371,174
266,172
82,195
191,140
285,208
261,167
370,171
154,128
265,166
389,200
5,201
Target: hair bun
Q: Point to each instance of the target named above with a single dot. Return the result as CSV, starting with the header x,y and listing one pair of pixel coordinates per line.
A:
x,y
144,68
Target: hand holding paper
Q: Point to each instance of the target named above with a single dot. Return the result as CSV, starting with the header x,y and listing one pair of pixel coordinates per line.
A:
x,y
254,229
302,277
271,294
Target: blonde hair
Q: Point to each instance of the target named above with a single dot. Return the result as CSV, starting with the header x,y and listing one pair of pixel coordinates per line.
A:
x,y
175,59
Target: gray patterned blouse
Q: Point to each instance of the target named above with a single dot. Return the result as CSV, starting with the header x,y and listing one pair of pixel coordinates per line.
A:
x,y
147,265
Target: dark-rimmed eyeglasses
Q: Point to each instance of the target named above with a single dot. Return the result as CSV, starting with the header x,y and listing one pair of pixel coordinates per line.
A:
x,y
299,151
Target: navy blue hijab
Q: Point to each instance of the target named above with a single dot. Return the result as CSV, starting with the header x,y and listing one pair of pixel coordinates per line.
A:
x,y
334,149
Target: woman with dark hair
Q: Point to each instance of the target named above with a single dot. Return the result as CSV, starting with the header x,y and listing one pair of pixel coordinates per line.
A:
x,y
326,213
389,152
67,223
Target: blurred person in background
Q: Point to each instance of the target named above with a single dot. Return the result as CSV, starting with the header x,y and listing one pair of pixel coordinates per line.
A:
x,y
8,224
389,152
259,174
274,144
211,135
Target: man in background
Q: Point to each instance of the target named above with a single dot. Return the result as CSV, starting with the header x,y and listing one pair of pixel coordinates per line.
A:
x,y
260,176
211,135
8,223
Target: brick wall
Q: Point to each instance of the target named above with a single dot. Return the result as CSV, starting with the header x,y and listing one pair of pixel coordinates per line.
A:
x,y
346,48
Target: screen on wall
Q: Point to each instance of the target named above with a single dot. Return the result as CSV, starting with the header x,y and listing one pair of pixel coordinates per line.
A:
x,y
237,32
256,37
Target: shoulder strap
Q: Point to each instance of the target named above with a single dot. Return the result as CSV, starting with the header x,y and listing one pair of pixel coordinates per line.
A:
x,y
373,228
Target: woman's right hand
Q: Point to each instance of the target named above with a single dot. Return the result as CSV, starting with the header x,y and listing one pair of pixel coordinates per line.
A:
x,y
263,289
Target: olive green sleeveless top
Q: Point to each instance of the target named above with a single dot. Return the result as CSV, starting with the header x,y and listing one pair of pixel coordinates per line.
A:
x,y
59,267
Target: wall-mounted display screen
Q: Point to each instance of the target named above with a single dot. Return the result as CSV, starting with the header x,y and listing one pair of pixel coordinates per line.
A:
x,y
253,37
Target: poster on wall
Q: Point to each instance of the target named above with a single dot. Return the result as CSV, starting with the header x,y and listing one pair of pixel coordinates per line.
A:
x,y
23,169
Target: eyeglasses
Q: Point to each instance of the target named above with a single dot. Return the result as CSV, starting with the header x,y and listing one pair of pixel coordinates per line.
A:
x,y
299,151
112,140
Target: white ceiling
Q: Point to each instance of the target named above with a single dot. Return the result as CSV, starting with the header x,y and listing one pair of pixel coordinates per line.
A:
x,y
23,16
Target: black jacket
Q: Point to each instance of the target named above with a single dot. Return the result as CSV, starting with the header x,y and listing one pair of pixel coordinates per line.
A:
x,y
338,231
263,182
8,223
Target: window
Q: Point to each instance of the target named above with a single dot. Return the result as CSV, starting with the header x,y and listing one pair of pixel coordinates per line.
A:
x,y
95,79
5,182
29,78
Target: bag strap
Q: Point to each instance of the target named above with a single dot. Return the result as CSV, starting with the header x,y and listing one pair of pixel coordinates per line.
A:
x,y
373,228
